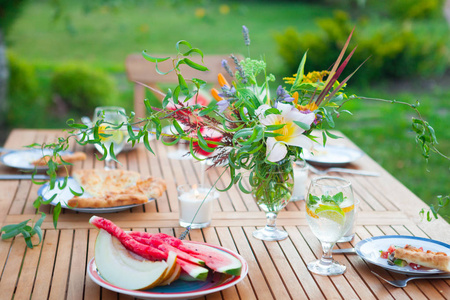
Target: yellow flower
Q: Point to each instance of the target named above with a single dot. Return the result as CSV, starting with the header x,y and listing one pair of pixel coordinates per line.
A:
x,y
290,80
200,12
224,9
311,77
314,77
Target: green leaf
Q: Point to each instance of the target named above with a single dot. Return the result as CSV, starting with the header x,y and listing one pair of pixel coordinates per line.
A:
x,y
193,50
147,143
300,71
194,65
178,127
152,58
302,125
166,99
148,106
333,136
56,212
202,142
183,85
182,42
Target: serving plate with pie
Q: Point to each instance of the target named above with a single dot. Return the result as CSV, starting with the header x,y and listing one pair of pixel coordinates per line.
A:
x,y
105,191
369,250
23,159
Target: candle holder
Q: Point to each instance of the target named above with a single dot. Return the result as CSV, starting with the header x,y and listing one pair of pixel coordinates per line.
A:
x,y
300,180
195,204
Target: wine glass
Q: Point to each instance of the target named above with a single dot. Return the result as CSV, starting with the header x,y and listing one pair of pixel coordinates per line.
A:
x,y
330,209
111,117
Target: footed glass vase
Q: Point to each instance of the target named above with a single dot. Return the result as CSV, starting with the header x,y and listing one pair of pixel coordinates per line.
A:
x,y
272,187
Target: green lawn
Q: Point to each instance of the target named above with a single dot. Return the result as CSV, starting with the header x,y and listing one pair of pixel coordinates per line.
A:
x,y
104,38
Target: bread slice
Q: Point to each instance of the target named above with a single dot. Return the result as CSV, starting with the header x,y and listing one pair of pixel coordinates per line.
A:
x,y
428,259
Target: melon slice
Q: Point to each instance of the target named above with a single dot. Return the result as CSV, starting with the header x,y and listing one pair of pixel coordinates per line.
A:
x,y
127,241
175,276
123,268
171,267
215,259
193,270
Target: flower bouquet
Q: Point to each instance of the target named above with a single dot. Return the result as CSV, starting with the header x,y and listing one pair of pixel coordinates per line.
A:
x,y
256,133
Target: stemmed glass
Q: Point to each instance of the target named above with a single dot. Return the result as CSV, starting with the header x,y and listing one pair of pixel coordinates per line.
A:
x,y
111,117
330,210
271,187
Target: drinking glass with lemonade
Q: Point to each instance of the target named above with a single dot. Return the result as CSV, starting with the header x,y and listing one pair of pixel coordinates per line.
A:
x,y
330,211
111,117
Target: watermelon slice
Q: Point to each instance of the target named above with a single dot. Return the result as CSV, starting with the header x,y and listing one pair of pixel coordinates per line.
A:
x,y
127,241
215,259
172,241
193,270
158,243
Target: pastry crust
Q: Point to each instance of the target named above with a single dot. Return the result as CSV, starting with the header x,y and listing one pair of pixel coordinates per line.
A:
x,y
115,188
70,158
427,259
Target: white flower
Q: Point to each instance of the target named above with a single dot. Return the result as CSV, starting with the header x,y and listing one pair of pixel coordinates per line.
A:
x,y
291,133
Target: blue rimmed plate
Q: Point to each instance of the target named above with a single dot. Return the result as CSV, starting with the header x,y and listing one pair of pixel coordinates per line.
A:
x,y
178,289
22,159
369,250
64,195
331,155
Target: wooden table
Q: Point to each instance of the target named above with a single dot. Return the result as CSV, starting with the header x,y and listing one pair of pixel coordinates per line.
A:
x,y
57,268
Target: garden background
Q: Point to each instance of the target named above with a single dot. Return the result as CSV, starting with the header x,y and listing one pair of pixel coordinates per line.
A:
x,y
67,57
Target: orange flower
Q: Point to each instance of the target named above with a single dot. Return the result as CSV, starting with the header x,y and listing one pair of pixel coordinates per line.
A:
x,y
215,95
222,81
311,107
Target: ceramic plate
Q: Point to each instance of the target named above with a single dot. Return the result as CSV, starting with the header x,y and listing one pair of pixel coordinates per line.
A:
x,y
65,194
22,159
179,289
332,155
369,250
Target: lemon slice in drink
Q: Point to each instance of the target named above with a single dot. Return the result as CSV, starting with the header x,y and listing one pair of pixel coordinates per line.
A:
x,y
115,136
331,212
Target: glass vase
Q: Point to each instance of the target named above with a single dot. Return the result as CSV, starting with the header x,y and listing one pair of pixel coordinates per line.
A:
x,y
272,187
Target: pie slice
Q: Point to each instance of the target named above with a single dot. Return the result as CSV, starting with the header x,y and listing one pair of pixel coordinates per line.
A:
x,y
115,188
429,259
70,158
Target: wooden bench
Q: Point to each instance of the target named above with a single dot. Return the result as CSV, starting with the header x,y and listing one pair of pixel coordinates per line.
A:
x,y
139,70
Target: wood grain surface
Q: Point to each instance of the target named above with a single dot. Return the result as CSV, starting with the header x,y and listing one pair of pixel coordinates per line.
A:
x,y
56,269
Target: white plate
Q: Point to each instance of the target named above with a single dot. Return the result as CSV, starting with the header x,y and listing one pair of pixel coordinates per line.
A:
x,y
369,250
22,159
64,195
332,155
179,289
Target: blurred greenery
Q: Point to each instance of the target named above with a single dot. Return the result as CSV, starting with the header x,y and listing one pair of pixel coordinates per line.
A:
x,y
107,34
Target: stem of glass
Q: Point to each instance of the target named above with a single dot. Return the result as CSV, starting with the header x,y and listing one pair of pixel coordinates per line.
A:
x,y
109,164
271,218
327,256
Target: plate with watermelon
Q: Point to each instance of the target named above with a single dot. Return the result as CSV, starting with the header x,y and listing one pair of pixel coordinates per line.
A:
x,y
159,266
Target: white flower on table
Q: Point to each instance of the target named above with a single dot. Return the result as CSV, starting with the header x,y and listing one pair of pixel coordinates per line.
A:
x,y
291,133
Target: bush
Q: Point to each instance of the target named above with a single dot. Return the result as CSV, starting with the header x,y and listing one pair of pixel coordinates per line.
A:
x,y
22,90
415,9
395,50
82,88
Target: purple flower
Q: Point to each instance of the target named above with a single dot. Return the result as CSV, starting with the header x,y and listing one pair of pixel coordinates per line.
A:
x,y
223,104
227,67
282,95
246,35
